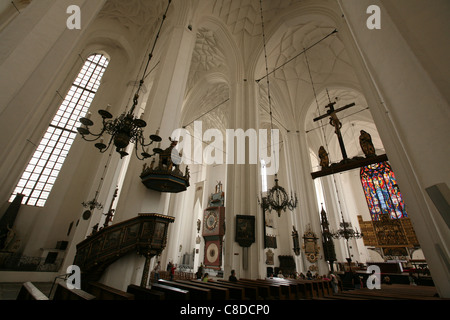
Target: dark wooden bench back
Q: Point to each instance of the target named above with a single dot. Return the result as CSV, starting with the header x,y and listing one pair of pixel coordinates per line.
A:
x,y
104,292
28,291
236,292
251,291
196,293
171,293
217,292
62,292
141,293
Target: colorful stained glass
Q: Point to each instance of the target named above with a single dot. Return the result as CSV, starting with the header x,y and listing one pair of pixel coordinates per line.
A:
x,y
381,190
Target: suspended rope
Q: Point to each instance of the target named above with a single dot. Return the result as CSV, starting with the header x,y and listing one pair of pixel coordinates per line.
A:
x,y
267,77
204,114
293,58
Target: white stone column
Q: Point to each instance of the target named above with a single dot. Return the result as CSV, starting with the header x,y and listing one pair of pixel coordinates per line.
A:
x,y
163,110
242,185
309,210
411,116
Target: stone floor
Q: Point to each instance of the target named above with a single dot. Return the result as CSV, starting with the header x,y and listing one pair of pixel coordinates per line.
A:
x,y
9,291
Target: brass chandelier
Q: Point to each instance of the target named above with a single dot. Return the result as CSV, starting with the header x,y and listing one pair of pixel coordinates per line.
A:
x,y
346,232
277,198
127,128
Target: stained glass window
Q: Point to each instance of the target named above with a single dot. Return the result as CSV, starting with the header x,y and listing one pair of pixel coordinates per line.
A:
x,y
381,190
40,175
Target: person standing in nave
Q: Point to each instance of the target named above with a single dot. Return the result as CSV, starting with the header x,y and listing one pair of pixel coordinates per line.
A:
x,y
157,268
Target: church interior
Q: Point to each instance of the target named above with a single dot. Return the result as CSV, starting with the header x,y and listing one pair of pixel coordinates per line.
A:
x,y
150,144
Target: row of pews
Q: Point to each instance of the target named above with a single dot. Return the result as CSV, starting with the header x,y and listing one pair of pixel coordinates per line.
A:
x,y
247,289
189,289
389,292
95,291
243,289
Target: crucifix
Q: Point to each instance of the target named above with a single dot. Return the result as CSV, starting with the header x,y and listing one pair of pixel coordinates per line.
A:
x,y
334,121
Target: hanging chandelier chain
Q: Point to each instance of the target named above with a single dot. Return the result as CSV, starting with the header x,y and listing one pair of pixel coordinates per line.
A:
x,y
346,231
92,204
267,75
150,56
316,99
267,65
126,128
277,198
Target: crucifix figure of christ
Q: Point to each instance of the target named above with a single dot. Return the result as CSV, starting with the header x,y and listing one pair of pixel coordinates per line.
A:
x,y
334,121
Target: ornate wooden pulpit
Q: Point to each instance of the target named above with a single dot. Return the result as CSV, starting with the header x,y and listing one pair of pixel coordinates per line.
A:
x,y
145,234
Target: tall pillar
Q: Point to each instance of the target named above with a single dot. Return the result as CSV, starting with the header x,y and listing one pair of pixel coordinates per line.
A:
x,y
162,110
410,113
309,212
242,185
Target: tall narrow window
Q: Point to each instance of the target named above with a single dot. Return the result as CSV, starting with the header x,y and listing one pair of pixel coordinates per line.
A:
x,y
40,175
381,190
263,175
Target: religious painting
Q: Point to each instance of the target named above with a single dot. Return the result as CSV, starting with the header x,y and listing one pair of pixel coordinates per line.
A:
x,y
245,230
112,239
310,246
131,233
158,236
270,241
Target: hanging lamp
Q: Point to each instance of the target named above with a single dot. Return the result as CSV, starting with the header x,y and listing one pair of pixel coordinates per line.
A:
x,y
277,198
127,128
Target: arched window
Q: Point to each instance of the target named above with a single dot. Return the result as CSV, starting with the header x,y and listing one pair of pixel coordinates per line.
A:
x,y
382,193
40,175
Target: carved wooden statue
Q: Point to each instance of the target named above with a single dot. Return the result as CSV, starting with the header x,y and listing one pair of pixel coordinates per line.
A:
x,y
365,141
324,160
165,157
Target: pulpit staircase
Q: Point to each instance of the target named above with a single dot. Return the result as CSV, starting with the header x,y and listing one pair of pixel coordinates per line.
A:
x,y
145,234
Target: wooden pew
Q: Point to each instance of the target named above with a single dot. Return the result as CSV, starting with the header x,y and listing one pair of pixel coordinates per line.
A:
x,y
104,292
196,293
141,293
299,289
217,292
62,292
390,292
310,289
235,292
318,287
304,290
251,291
328,289
287,288
171,293
275,289
28,291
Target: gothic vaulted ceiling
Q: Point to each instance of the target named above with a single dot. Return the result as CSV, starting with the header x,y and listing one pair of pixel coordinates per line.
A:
x,y
229,46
